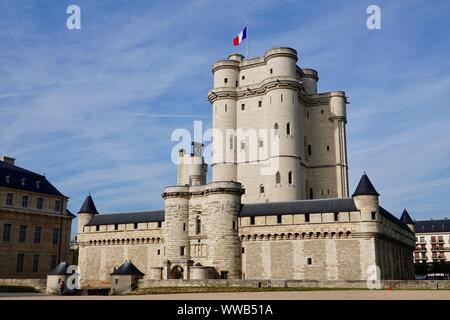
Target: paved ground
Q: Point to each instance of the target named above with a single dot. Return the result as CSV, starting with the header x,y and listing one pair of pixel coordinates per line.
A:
x,y
284,295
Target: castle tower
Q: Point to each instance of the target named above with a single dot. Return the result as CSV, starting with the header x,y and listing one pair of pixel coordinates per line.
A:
x,y
366,199
223,201
226,81
176,232
86,213
274,133
191,166
406,219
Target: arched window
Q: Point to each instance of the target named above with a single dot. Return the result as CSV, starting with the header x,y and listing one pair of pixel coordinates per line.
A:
x,y
261,188
226,107
290,177
278,178
288,128
276,128
198,225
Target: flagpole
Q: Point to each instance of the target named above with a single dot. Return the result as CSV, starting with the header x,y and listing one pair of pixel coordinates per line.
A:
x,y
246,45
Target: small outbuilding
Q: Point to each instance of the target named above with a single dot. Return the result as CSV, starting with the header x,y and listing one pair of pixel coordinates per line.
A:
x,y
56,277
125,278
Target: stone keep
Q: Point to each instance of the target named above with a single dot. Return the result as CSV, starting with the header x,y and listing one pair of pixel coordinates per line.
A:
x,y
267,113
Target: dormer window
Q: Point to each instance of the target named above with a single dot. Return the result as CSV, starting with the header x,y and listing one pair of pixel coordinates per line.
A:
x,y
23,182
7,178
38,184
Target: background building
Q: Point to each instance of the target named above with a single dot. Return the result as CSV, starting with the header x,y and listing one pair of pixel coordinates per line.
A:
x,y
34,223
432,241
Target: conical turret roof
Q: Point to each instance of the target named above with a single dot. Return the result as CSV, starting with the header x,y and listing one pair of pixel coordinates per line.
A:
x,y
88,206
127,269
365,187
406,218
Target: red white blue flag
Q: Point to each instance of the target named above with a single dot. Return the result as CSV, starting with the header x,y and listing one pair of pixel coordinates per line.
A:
x,y
241,36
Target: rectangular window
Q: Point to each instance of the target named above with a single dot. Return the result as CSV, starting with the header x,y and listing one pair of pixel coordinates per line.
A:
x,y
7,232
55,237
37,234
309,150
306,217
158,252
281,98
243,250
9,199
242,145
311,193
231,143
116,227
243,106
22,233
309,261
25,201
440,239
35,263
261,143
260,103
225,80
234,225
224,274
279,218
40,203
237,83
135,225
159,224
422,239
252,220
271,70
53,262
243,78
184,226
182,250
58,205
97,228
374,215
19,265
336,216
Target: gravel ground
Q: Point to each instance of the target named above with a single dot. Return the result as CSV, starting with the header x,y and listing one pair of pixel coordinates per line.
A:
x,y
284,295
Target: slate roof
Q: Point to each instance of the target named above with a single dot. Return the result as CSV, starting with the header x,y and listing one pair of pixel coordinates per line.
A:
x,y
298,206
309,206
88,206
12,176
406,218
393,218
432,226
60,269
131,217
365,187
127,269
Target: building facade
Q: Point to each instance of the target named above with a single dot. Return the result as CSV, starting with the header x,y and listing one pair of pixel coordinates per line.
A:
x,y
280,212
432,241
35,223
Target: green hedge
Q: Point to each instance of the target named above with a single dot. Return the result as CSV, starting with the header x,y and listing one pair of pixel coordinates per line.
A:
x,y
17,289
432,267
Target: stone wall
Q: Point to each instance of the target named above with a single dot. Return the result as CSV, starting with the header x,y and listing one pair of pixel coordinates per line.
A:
x,y
385,284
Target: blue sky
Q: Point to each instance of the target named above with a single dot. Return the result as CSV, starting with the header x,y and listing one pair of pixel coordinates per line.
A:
x,y
95,108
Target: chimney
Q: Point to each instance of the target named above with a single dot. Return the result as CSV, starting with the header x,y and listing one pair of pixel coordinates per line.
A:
x,y
8,160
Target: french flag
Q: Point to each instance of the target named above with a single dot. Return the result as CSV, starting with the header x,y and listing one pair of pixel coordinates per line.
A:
x,y
241,36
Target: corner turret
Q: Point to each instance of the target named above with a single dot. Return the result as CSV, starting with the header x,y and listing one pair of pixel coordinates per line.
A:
x,y
366,199
86,213
406,219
